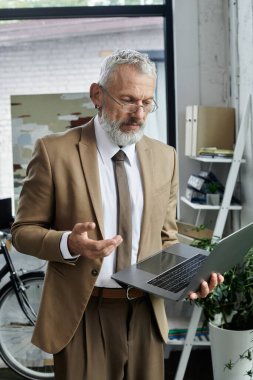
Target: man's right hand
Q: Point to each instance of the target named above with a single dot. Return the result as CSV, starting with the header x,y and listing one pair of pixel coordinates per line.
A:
x,y
79,242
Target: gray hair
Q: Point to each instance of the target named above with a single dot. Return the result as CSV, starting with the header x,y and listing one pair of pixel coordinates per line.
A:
x,y
140,61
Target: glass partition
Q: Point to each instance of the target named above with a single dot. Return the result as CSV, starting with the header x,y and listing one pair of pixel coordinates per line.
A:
x,y
56,47
46,59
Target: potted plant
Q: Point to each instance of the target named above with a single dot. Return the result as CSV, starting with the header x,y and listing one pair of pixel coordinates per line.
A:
x,y
229,312
212,195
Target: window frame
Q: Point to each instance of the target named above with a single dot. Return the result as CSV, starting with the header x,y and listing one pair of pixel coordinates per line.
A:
x,y
164,10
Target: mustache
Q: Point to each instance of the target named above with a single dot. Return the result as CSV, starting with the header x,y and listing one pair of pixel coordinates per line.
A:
x,y
131,121
114,130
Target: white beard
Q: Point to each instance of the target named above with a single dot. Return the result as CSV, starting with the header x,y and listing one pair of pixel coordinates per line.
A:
x,y
117,136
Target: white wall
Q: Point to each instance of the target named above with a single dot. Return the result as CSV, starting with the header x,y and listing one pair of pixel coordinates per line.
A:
x,y
245,61
201,67
213,41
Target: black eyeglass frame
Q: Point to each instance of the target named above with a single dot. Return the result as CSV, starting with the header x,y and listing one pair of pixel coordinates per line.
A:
x,y
127,106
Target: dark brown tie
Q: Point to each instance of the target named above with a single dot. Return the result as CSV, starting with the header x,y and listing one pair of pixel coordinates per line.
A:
x,y
124,250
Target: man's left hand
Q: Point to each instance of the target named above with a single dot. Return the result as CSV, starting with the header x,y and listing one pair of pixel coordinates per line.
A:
x,y
207,287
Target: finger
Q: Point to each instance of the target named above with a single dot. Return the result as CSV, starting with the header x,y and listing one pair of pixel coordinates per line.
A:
x,y
193,296
108,249
204,290
220,278
202,293
80,228
118,239
213,281
78,237
100,245
109,244
100,248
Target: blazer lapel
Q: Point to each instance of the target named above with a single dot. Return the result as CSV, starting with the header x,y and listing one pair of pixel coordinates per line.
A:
x,y
144,153
88,155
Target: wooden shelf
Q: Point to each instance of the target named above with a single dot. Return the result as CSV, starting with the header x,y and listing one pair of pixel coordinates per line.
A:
x,y
197,206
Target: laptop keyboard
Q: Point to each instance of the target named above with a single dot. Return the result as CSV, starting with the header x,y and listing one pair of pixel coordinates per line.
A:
x,y
179,277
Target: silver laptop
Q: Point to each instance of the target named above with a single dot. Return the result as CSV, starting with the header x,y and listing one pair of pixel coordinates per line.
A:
x,y
175,271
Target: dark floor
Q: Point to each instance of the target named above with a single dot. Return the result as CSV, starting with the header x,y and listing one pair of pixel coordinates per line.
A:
x,y
198,365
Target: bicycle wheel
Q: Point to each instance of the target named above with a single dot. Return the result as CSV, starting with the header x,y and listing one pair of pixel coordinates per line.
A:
x,y
16,348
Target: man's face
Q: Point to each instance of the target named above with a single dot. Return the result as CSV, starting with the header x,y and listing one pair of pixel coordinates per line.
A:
x,y
126,86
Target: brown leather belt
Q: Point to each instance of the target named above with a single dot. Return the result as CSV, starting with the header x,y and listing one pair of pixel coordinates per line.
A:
x,y
128,293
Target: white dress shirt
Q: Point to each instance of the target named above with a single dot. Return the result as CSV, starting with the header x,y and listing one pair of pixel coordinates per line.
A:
x,y
106,149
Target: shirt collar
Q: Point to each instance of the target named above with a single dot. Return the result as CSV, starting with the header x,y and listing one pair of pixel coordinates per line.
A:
x,y
106,148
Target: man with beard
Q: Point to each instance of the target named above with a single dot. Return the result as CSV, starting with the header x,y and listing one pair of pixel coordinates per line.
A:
x,y
68,215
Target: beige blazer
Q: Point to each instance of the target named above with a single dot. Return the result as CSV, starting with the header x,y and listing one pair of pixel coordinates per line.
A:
x,y
61,189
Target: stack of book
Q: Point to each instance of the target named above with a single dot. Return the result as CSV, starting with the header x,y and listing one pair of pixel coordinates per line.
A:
x,y
214,152
199,185
209,128
202,334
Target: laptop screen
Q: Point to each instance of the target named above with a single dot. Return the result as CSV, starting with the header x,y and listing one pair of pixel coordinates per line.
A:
x,y
160,263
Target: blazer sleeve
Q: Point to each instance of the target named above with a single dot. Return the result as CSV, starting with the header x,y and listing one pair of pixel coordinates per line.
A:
x,y
169,230
31,232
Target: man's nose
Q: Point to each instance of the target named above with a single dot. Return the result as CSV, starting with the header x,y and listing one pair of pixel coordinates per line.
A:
x,y
140,111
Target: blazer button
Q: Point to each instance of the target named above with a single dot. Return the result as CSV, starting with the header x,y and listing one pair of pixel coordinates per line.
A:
x,y
94,272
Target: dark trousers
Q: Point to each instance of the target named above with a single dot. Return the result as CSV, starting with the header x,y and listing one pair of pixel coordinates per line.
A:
x,y
116,340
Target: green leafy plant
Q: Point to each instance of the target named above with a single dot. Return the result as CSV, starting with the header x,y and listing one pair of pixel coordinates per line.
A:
x,y
212,187
231,301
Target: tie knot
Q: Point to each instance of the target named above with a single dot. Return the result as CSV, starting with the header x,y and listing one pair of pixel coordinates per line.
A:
x,y
119,156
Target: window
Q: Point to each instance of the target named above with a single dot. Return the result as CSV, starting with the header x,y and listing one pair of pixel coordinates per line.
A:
x,y
55,34
71,3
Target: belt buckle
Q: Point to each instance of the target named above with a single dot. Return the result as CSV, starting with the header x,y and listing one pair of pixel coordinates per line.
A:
x,y
127,293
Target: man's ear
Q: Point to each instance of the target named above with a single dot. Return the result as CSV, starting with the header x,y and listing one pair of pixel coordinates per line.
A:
x,y
96,95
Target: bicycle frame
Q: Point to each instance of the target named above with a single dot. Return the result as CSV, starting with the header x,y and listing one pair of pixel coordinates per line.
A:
x,y
17,285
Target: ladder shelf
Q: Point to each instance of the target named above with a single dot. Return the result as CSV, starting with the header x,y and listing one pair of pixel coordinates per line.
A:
x,y
223,210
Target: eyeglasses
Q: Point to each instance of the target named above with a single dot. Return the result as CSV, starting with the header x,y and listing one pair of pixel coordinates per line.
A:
x,y
148,105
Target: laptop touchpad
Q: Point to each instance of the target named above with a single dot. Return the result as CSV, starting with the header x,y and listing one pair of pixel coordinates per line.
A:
x,y
160,263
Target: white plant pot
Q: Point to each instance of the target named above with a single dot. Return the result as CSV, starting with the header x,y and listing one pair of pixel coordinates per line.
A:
x,y
213,199
226,346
